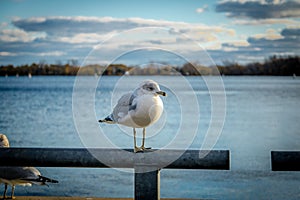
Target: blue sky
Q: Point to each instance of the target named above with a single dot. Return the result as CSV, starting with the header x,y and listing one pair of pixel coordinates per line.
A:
x,y
101,32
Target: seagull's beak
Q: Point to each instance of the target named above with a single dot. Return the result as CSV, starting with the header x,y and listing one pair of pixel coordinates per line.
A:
x,y
161,93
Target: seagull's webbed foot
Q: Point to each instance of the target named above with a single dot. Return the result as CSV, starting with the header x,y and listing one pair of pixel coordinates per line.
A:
x,y
145,148
141,149
138,149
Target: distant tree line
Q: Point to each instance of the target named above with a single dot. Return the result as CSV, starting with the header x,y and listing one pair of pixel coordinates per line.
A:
x,y
275,66
37,69
278,66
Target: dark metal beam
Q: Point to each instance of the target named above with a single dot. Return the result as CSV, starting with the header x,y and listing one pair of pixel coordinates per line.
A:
x,y
115,158
146,165
146,183
285,160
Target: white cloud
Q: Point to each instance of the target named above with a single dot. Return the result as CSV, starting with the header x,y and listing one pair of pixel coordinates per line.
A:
x,y
270,34
229,49
263,22
4,53
3,25
65,37
283,53
71,26
74,37
261,9
239,43
202,9
80,38
13,35
18,35
256,1
174,36
53,53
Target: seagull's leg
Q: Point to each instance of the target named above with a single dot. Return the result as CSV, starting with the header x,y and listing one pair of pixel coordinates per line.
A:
x,y
12,192
5,190
143,142
136,149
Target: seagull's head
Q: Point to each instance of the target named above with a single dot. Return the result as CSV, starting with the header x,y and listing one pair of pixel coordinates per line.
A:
x,y
150,87
3,141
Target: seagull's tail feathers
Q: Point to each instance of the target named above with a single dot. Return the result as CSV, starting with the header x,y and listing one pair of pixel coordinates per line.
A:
x,y
108,120
41,180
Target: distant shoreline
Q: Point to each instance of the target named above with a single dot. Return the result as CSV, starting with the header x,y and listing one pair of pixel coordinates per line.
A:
x,y
274,66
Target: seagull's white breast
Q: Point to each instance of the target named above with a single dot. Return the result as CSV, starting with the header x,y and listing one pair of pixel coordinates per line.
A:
x,y
148,110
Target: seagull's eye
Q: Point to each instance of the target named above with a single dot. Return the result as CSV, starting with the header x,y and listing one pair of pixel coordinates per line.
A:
x,y
150,88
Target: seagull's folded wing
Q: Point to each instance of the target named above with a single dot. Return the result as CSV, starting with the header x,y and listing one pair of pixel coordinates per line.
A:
x,y
125,104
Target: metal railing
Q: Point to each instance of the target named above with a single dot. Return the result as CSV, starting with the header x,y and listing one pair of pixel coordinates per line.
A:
x,y
285,160
146,165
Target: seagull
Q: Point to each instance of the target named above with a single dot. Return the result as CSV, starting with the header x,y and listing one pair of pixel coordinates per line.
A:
x,y
138,109
25,176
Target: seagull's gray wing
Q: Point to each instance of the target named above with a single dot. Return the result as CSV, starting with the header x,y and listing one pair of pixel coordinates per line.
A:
x,y
13,173
125,104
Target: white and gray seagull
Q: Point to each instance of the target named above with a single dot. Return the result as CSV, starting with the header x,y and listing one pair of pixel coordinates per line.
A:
x,y
138,109
25,176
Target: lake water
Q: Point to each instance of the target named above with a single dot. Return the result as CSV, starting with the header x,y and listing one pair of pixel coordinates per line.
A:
x,y
262,114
